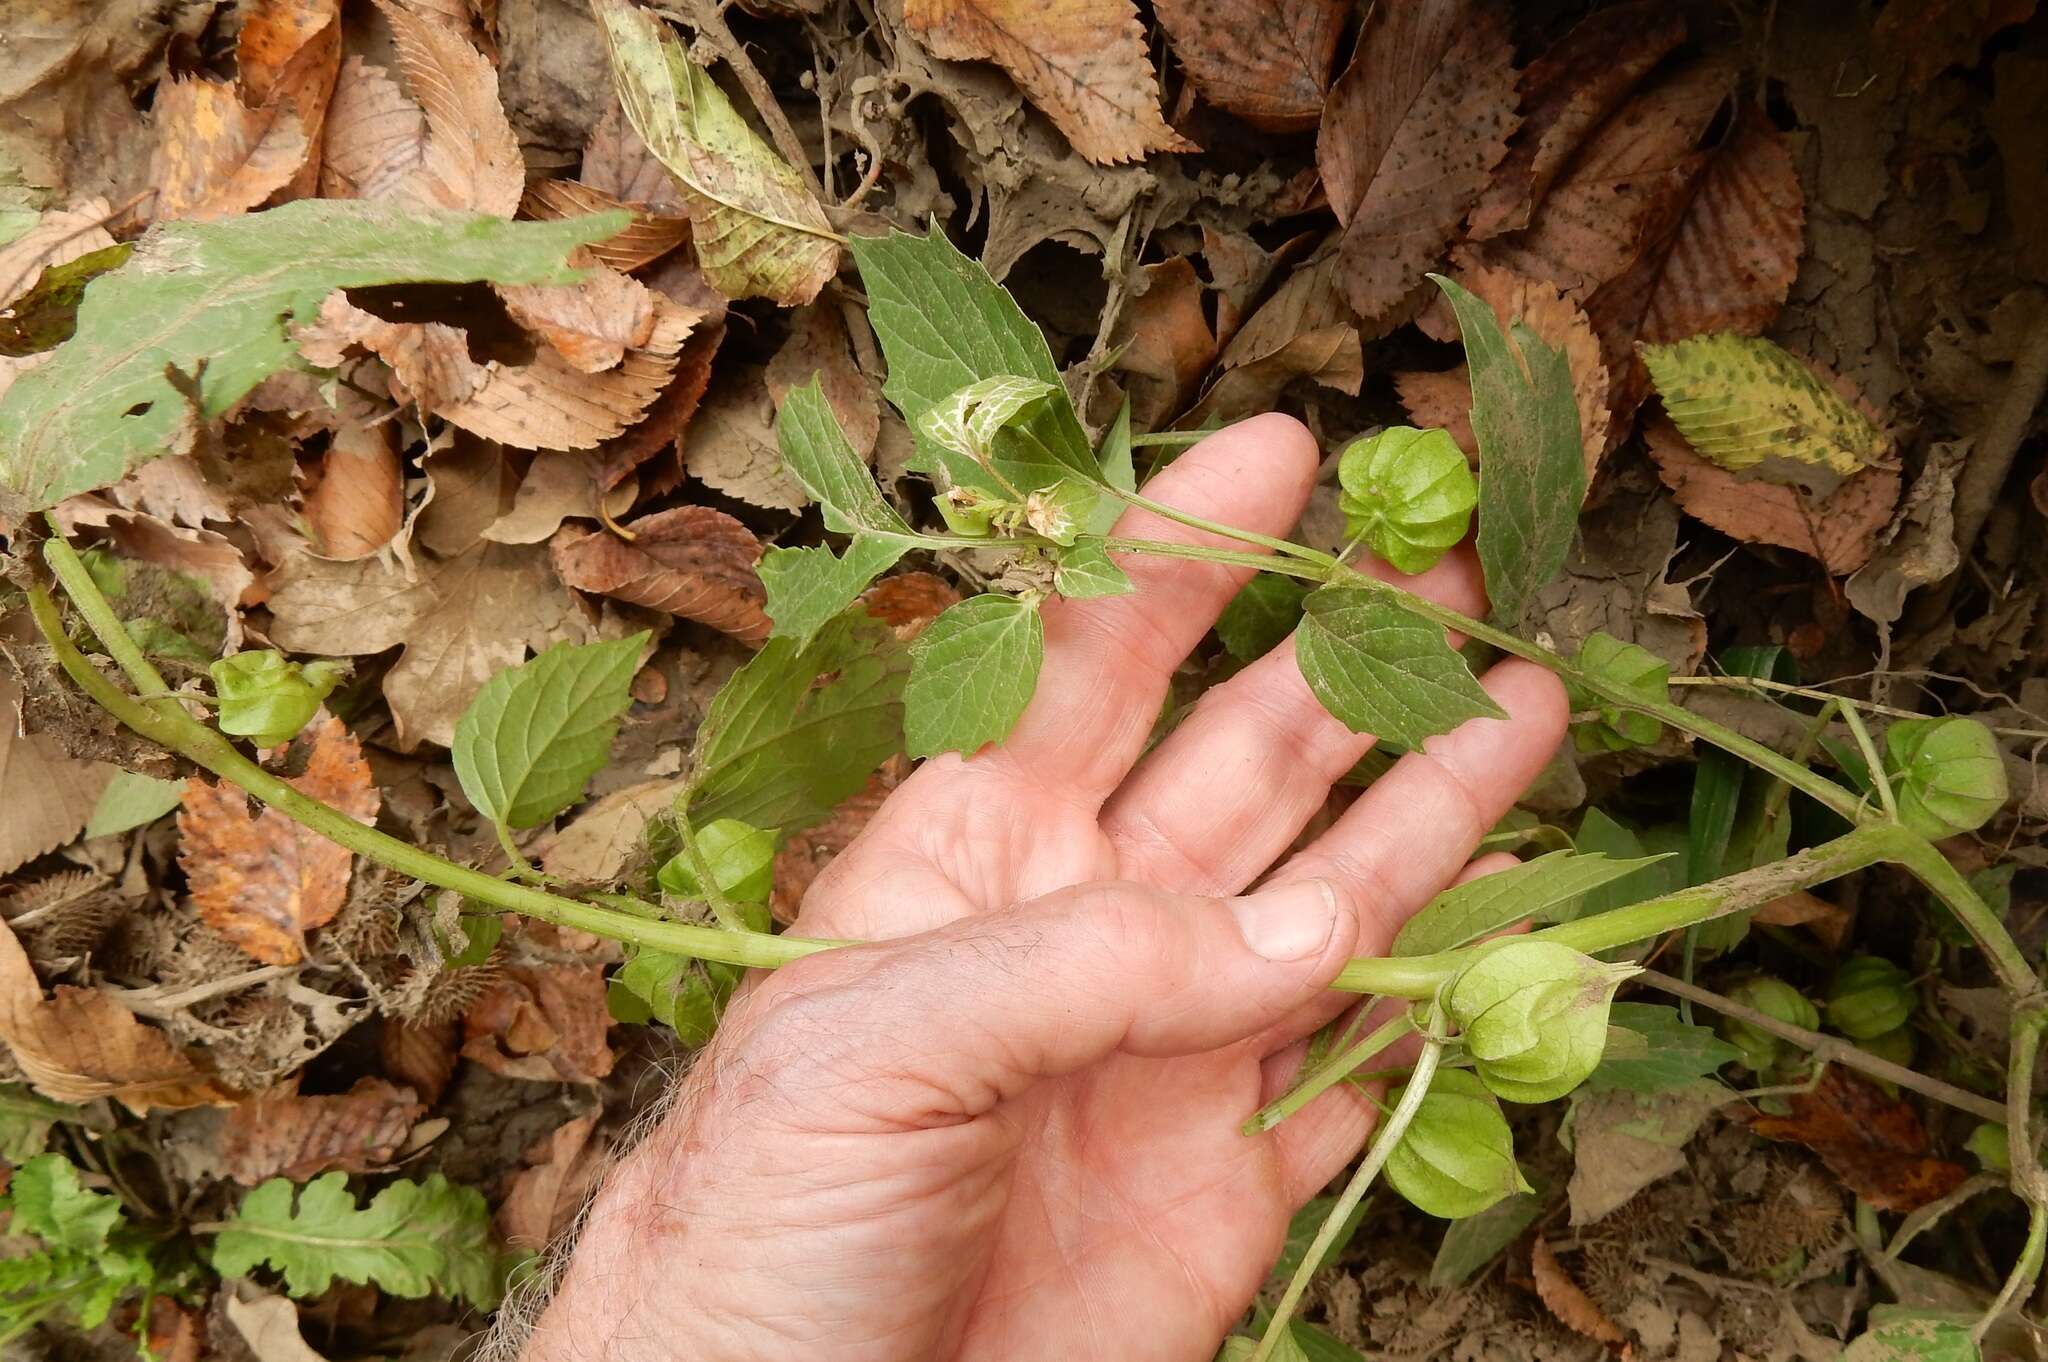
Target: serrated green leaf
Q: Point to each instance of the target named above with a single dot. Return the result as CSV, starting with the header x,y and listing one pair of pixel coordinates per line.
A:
x,y
1118,462
1261,616
52,1204
1898,1333
944,324
1381,670
1466,912
972,672
413,1239
215,300
809,588
1085,570
800,727
671,989
1532,462
1675,1053
758,230
131,800
1751,407
536,733
1600,833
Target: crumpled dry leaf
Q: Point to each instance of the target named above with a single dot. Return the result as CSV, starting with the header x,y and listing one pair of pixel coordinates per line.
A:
x,y
376,136
909,601
288,54
651,446
1080,62
1410,137
561,1172
617,164
1566,93
1268,63
557,487
1331,356
215,155
544,1023
690,561
1875,1144
268,1325
1917,547
818,346
1840,530
591,323
1568,1301
264,882
1624,1141
461,620
646,240
80,1044
281,1134
420,1055
1167,344
48,795
358,504
731,444
598,843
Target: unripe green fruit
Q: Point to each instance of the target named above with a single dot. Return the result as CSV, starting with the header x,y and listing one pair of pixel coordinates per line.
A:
x,y
1533,1016
1457,1156
1408,493
267,699
740,855
1896,1045
1870,996
1947,774
1992,1145
1632,666
1776,999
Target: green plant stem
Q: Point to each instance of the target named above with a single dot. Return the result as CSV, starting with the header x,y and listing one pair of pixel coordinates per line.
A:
x,y
721,904
1284,547
1830,1049
1328,1074
1762,686
1204,553
2022,1275
2028,1180
1390,1135
1879,781
204,747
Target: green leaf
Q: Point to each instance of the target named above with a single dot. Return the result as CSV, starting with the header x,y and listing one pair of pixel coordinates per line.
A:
x,y
944,324
1470,1244
215,300
1661,874
1675,1053
414,1239
1261,616
52,1204
671,989
809,588
1085,570
972,672
1637,671
741,858
1898,1333
1119,466
131,800
1478,908
1532,462
969,419
1383,671
536,733
47,315
1302,1229
1749,406
800,727
758,230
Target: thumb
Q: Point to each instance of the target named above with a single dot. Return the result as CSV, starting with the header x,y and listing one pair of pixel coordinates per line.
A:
x,y
944,1026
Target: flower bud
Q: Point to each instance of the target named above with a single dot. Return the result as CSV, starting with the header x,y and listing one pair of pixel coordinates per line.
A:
x,y
1641,672
1869,997
1408,493
740,855
1946,773
1992,1146
267,699
1457,1156
1534,1017
967,511
1775,999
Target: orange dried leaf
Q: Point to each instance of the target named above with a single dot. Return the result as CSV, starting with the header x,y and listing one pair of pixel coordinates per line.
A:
x,y
544,1023
1081,62
215,156
690,561
561,1171
281,1134
1875,1144
264,882
288,54
591,323
805,854
1568,1301
358,505
472,159
376,136
1267,62
1166,340
909,601
421,1055
650,236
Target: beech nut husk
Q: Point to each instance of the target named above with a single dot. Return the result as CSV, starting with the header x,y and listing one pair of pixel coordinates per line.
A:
x,y
1457,1156
1533,1017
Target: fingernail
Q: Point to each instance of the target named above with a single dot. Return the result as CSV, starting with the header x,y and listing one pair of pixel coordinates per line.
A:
x,y
1289,922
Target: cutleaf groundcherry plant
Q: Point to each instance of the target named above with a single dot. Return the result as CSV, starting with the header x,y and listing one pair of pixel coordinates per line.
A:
x,y
1018,479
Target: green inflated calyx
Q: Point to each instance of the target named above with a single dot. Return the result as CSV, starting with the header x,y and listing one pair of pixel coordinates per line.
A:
x,y
1614,727
1533,1017
1777,1000
1457,1157
1869,997
1946,773
741,858
267,698
1408,494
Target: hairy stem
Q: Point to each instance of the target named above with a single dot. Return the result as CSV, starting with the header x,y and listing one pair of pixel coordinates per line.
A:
x,y
1354,1191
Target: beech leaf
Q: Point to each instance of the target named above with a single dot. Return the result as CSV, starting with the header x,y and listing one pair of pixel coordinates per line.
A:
x,y
972,672
536,733
759,231
1382,670
414,1239
1532,470
1466,912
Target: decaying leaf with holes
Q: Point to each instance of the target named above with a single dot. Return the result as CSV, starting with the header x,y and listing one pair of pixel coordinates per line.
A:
x,y
264,882
690,561
282,1134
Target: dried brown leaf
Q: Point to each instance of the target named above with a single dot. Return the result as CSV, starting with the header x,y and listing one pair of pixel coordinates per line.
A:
x,y
376,140
288,53
1331,356
264,882
421,1055
544,1023
1874,1143
47,795
358,504
471,159
216,156
909,601
1566,93
1167,344
616,163
690,561
818,346
1568,1301
1081,62
591,323
556,487
1410,137
1267,62
560,1174
281,1134
1923,38
81,1044
597,844
731,444
647,239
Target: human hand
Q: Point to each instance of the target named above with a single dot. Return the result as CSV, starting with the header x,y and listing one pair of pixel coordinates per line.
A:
x,y
1015,1134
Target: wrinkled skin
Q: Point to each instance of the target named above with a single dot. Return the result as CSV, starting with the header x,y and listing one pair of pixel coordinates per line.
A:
x,y
1011,1130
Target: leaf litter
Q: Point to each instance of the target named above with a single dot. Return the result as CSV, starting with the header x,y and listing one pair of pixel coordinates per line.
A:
x,y
408,402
